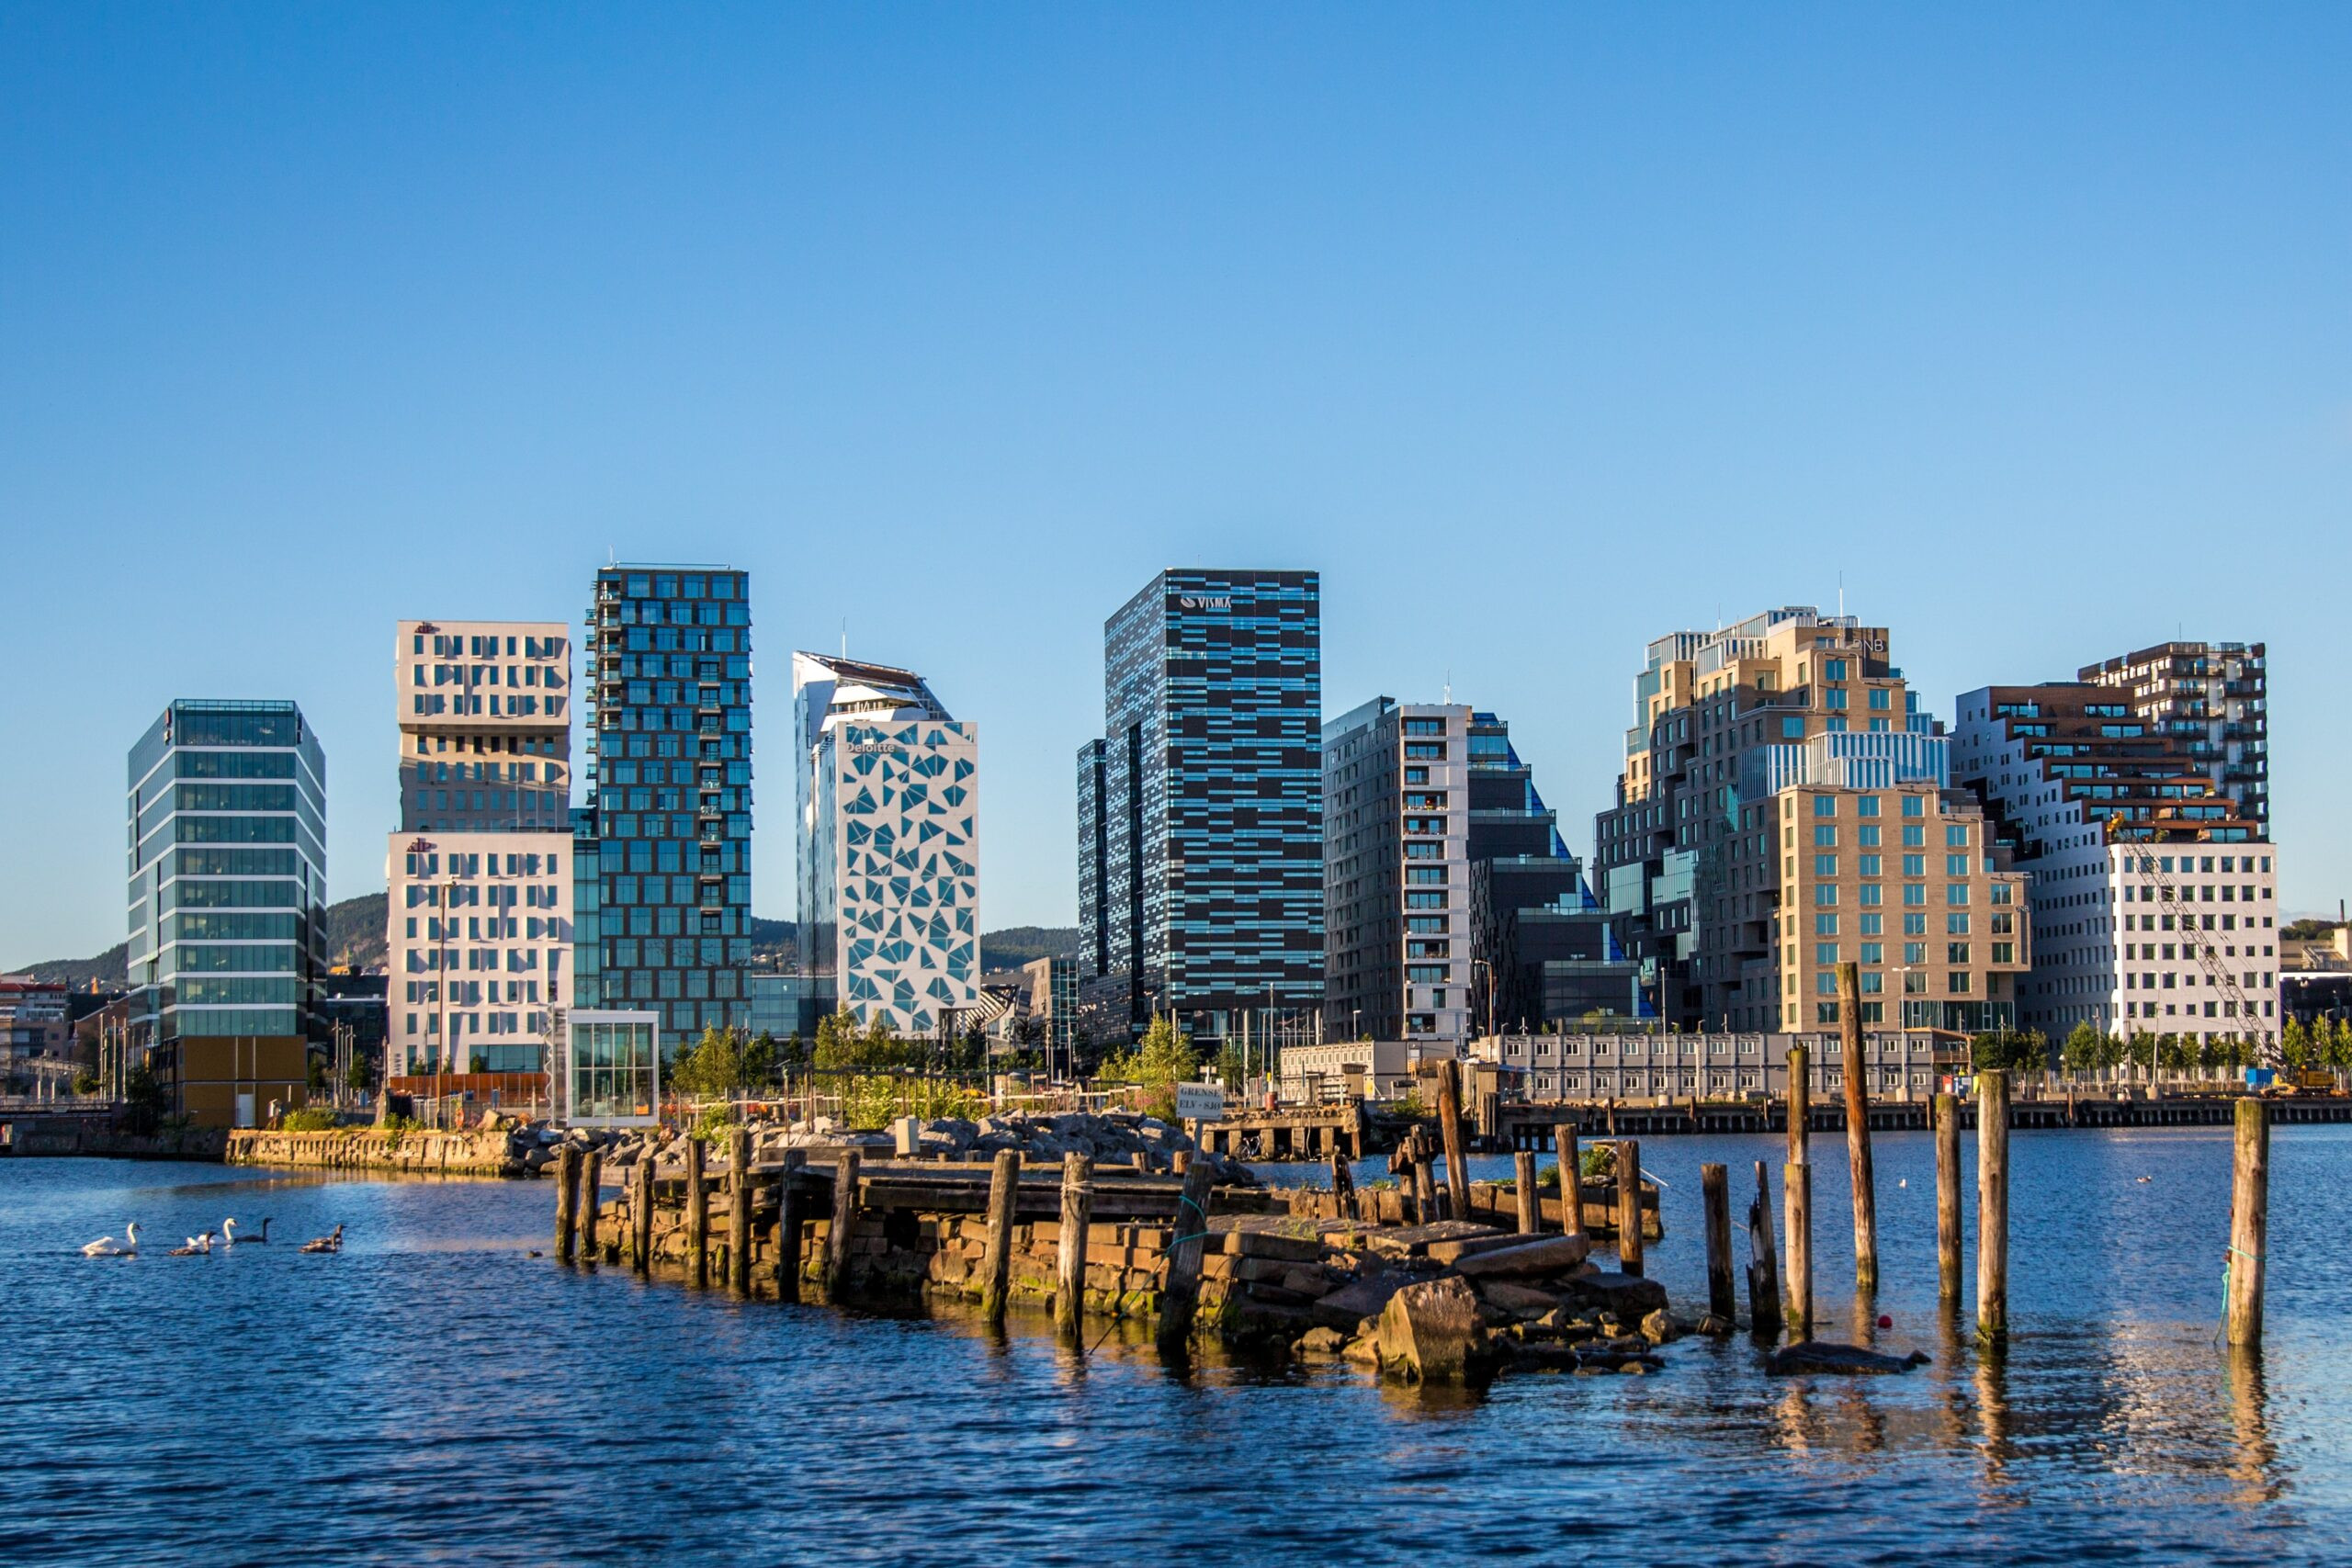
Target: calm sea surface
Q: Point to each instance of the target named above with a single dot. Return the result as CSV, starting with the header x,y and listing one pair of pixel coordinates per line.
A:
x,y
436,1393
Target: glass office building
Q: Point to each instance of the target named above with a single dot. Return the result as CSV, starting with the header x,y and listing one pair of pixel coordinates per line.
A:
x,y
227,894
670,693
1200,834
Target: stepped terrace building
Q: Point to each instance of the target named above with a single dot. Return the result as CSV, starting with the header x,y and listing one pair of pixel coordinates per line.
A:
x,y
2154,897
479,922
1784,808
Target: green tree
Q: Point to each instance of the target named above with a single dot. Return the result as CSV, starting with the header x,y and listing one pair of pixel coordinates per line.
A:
x,y
362,1076
2082,1048
1161,1059
1229,1068
317,1078
2142,1052
2173,1053
761,1060
2013,1050
2296,1044
144,1101
2337,1049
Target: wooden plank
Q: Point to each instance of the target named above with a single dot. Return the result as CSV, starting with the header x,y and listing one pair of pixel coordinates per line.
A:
x,y
640,1212
1076,1218
697,1216
739,1211
1523,1168
2249,1223
567,1202
1571,1158
1763,1259
1714,1192
1629,1205
996,1263
1796,1181
1180,1298
1992,1208
791,1219
1948,1236
1857,1127
844,1224
1449,1120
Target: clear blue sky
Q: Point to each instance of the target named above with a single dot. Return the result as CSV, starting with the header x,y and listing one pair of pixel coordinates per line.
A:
x,y
1540,331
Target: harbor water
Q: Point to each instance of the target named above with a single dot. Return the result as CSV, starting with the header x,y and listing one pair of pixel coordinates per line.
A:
x,y
438,1392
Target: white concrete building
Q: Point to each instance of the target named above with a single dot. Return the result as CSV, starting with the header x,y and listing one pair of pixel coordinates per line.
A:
x,y
479,922
889,799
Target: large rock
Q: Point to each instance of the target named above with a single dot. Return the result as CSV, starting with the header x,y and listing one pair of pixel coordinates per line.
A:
x,y
1545,1255
1431,1332
1352,1303
1827,1356
1520,1301
1631,1296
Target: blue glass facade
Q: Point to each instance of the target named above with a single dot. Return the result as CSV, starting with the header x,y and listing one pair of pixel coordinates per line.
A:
x,y
1200,857
670,692
227,868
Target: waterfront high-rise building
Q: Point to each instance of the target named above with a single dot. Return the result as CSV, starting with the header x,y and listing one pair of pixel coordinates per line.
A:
x,y
1784,808
1202,828
888,812
478,935
2212,701
2155,892
669,653
227,806
1544,949
1397,916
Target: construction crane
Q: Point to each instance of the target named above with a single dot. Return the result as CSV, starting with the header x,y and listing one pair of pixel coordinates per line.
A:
x,y
2201,951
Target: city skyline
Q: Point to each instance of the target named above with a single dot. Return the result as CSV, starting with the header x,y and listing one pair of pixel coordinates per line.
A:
x,y
1533,335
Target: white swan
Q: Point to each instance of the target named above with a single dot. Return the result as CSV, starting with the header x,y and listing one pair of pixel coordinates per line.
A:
x,y
197,1246
105,1246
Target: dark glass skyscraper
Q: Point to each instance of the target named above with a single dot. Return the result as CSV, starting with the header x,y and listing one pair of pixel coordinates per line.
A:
x,y
670,741
1201,852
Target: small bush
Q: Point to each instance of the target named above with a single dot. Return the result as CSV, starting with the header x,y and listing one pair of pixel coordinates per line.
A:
x,y
713,1124
312,1118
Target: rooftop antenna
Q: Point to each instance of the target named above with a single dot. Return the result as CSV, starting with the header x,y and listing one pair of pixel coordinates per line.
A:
x,y
1449,688
844,637
1841,595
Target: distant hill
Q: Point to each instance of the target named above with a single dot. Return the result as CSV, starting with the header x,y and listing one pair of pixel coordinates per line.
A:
x,y
1016,945
355,937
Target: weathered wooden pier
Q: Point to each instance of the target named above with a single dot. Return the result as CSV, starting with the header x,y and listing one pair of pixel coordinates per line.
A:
x,y
1528,1125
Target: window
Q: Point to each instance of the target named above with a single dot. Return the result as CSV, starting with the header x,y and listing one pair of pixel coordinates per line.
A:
x,y
1791,727
1956,983
1824,925
1824,893
1956,923
1915,893
1955,865
1882,697
1915,806
1825,806
1873,925
1869,865
1825,952
1832,669
1826,983
1866,806
1825,836
1834,698
1872,893
1955,893
1915,866
1825,865
2006,952
1913,837
1914,925
1425,873
1867,834
1956,836
1955,952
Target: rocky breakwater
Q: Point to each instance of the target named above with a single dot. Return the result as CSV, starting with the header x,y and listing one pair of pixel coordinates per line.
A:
x,y
481,1151
1451,1303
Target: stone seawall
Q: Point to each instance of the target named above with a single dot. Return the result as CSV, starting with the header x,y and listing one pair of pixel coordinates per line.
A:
x,y
411,1151
76,1135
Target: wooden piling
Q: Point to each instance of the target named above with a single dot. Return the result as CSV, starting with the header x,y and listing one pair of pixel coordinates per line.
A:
x,y
591,1205
1564,1142
844,1224
739,1211
1077,1212
567,1202
2249,1223
1946,1115
1530,1205
1629,1205
1800,1104
1449,1123
1763,1259
1856,1074
996,1262
1188,1241
1715,1193
1796,1192
791,1218
697,1216
1992,1208
1424,1183
640,1211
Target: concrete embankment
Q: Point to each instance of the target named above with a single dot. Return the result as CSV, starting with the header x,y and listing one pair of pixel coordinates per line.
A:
x,y
38,1135
411,1151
